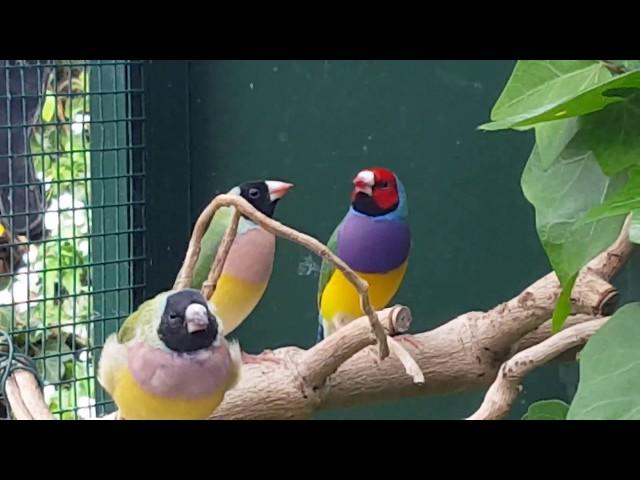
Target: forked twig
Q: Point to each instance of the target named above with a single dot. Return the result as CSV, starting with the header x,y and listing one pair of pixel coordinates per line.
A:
x,y
276,228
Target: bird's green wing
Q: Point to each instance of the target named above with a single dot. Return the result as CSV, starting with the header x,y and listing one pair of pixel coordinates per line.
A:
x,y
143,314
209,245
327,268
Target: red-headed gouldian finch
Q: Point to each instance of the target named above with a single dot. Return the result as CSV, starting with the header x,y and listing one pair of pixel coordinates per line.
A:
x,y
169,360
374,239
249,264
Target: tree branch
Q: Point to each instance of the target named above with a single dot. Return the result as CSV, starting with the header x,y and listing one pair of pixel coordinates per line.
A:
x,y
506,387
25,397
615,69
322,360
210,285
608,263
462,354
277,228
543,332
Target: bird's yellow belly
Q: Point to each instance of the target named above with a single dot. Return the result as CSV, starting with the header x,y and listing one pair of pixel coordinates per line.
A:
x,y
135,403
340,301
234,300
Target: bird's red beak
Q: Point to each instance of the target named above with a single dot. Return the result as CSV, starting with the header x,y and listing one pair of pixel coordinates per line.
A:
x,y
364,182
277,189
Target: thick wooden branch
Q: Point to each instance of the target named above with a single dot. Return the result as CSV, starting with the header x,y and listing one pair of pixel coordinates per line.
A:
x,y
322,360
608,263
503,392
462,354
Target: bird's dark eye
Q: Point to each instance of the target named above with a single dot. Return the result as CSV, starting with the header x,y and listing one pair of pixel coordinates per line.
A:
x,y
254,193
384,184
173,316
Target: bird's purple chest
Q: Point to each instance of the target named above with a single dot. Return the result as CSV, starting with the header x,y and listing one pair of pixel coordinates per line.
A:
x,y
173,375
373,246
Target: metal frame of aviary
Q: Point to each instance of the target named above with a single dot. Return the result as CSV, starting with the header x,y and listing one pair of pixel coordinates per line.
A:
x,y
72,200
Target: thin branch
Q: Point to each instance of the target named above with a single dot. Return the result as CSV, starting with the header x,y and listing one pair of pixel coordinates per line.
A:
x,y
210,285
503,392
544,331
615,69
18,408
277,228
32,395
409,364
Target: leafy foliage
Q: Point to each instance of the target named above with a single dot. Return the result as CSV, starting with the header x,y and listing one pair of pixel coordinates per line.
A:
x,y
582,176
547,410
51,295
583,179
609,371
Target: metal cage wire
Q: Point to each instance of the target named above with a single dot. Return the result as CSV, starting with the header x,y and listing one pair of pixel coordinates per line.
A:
x,y
72,196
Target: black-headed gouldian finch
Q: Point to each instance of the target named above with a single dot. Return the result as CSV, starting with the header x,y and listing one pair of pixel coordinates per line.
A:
x,y
374,239
169,360
248,267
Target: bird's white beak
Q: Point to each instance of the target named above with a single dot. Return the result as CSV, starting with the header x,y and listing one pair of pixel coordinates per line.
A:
x,y
277,189
196,318
364,182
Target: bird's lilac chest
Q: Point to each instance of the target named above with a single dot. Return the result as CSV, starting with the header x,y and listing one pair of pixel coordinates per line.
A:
x,y
371,245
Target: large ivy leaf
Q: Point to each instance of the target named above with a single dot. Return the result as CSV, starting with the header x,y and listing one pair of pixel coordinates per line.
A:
x,y
553,137
604,92
547,410
621,203
614,135
562,195
609,371
532,80
540,90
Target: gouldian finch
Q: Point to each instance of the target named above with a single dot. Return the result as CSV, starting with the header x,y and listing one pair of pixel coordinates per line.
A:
x,y
374,239
169,360
249,264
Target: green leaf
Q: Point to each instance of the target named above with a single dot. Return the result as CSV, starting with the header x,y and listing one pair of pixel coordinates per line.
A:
x,y
614,135
634,228
553,137
532,81
621,203
591,100
55,357
5,319
563,305
49,106
536,87
547,410
562,195
609,371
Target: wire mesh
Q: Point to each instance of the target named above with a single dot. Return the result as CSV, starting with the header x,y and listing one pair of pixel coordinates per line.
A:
x,y
71,218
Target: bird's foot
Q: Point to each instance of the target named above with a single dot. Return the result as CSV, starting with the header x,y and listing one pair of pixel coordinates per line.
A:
x,y
266,356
